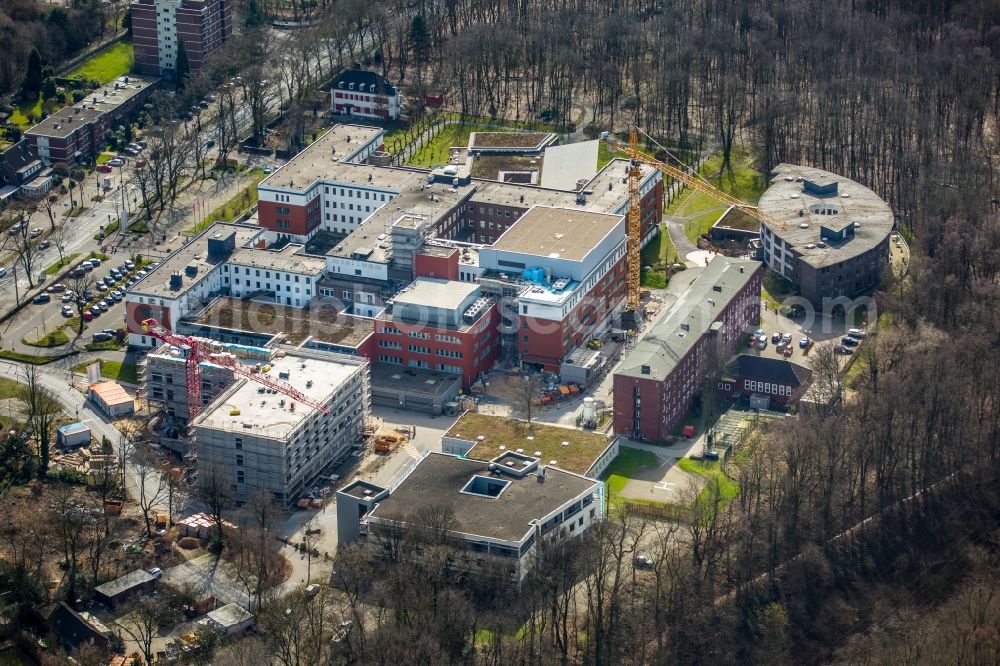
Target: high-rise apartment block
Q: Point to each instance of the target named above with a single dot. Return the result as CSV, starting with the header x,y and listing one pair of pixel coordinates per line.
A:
x,y
159,26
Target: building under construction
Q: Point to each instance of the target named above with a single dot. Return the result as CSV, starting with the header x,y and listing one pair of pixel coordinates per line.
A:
x,y
270,441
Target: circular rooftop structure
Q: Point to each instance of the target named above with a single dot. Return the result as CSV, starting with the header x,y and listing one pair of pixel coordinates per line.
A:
x,y
835,240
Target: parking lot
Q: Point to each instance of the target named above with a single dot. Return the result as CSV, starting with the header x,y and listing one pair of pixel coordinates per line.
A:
x,y
52,310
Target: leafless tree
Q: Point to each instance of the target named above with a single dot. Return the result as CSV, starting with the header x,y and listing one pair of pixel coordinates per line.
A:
x,y
20,242
215,491
141,622
41,409
150,480
80,284
527,389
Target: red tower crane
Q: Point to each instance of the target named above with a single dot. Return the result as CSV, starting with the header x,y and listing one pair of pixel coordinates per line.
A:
x,y
194,351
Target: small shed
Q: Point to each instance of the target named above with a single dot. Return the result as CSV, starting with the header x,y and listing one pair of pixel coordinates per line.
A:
x,y
229,619
73,435
112,399
118,590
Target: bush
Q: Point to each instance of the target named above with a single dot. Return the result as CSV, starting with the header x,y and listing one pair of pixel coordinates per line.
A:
x,y
66,475
188,543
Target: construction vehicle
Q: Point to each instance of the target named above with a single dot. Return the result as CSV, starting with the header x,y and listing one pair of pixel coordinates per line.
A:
x,y
196,350
632,314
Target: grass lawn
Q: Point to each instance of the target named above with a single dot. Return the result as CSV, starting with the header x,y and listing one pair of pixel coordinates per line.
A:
x,y
9,388
774,289
744,183
54,338
59,265
581,452
625,466
107,345
233,208
605,154
436,150
107,65
660,253
104,158
711,470
30,358
124,372
24,111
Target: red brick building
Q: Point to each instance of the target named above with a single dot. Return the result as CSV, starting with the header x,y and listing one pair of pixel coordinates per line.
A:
x,y
660,376
439,325
159,26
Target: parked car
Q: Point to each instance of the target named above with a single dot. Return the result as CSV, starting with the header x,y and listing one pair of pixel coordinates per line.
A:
x,y
88,295
95,262
130,265
787,351
3,272
104,305
116,162
88,315
780,347
104,168
210,97
110,331
775,338
101,287
803,343
210,143
117,296
66,311
156,571
786,338
44,245
848,341
41,298
761,343
643,561
36,232
57,288
841,349
711,455
856,333
68,297
102,337
752,341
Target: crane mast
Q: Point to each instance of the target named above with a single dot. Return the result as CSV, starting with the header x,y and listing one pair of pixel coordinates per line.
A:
x,y
636,157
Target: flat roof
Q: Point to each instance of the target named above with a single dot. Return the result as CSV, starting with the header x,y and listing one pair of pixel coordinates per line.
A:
x,y
565,165
667,342
526,141
438,479
435,293
321,321
230,615
319,379
546,443
433,383
130,580
557,233
195,254
853,202
315,160
66,120
290,259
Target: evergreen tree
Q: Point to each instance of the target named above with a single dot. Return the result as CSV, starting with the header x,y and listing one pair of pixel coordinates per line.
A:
x,y
253,15
420,38
49,88
33,76
183,66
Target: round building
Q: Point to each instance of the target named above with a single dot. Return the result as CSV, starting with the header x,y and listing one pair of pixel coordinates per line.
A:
x,y
833,236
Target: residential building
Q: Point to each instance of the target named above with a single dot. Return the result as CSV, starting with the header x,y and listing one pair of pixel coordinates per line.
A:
x,y
658,378
362,94
77,133
269,442
160,26
442,325
502,510
832,239
767,382
73,630
228,620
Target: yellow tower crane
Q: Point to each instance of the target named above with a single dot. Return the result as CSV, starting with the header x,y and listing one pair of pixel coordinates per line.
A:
x,y
634,220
